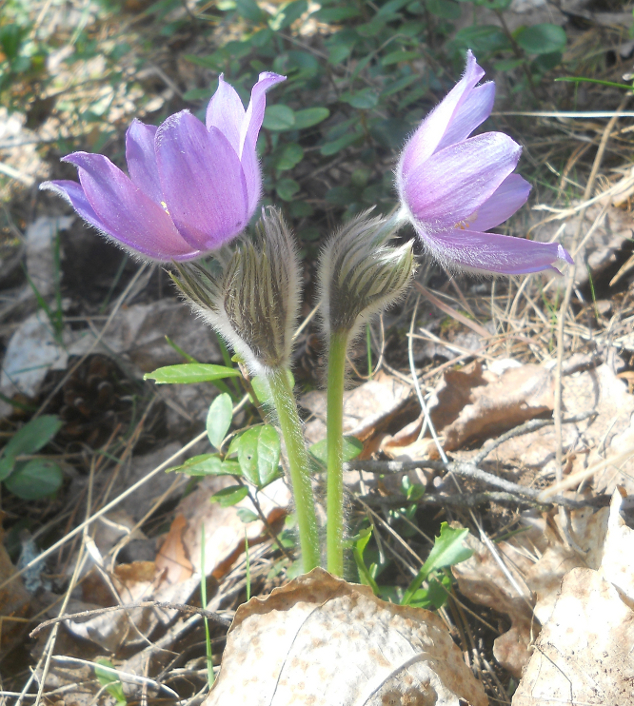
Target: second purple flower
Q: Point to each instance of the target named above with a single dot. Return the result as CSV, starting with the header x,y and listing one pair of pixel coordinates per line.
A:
x,y
454,188
191,187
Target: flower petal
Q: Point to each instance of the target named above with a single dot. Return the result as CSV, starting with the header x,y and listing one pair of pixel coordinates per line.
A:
x,y
141,159
202,180
471,113
72,192
124,212
255,110
226,112
428,136
509,197
491,253
453,184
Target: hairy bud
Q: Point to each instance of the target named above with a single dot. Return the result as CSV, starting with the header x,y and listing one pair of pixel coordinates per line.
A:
x,y
253,297
361,274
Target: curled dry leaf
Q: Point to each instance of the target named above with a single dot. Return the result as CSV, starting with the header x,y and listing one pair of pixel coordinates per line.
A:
x,y
584,652
537,561
322,641
475,403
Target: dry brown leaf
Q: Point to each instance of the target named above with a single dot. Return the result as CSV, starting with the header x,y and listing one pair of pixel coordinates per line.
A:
x,y
584,652
322,641
172,557
605,434
14,602
538,561
492,403
367,409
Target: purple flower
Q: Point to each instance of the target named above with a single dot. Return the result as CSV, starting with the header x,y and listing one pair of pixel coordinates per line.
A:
x,y
191,187
453,188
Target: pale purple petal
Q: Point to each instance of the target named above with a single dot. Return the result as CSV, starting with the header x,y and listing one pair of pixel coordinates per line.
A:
x,y
226,112
510,196
255,110
428,136
202,180
454,183
141,159
473,111
74,194
491,253
252,177
124,212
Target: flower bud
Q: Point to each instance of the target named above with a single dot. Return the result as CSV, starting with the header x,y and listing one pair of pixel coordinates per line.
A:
x,y
253,298
361,274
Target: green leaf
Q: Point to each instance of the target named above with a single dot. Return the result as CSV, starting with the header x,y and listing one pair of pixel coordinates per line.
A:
x,y
352,447
446,9
247,515
219,419
110,680
448,550
286,189
231,495
492,4
207,465
287,14
250,10
190,373
396,57
31,438
341,143
279,117
335,14
483,38
546,62
259,455
309,117
291,156
339,53
541,39
365,99
35,479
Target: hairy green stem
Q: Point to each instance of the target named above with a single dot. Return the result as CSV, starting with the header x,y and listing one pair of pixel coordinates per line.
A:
x,y
335,527
291,426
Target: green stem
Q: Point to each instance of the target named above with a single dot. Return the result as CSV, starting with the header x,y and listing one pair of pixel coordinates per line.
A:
x,y
291,426
336,375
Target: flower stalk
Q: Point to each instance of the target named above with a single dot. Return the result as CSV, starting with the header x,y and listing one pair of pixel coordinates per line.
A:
x,y
360,274
335,500
298,466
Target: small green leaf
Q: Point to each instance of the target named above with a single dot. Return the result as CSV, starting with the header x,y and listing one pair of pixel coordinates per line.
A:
x,y
250,10
286,189
335,14
259,455
291,156
341,143
279,117
396,57
309,117
231,495
446,9
352,447
448,550
247,515
541,39
30,438
219,419
110,680
483,38
339,53
207,465
35,479
365,99
287,14
190,373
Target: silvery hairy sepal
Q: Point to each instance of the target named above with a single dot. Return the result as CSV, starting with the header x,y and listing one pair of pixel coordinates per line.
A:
x,y
361,273
252,298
